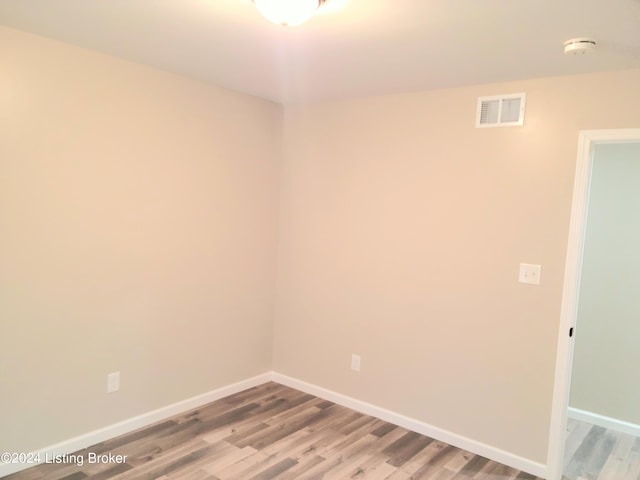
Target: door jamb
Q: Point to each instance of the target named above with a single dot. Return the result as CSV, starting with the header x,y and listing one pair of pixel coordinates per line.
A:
x,y
575,246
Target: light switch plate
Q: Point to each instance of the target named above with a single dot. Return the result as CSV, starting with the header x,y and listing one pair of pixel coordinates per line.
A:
x,y
529,274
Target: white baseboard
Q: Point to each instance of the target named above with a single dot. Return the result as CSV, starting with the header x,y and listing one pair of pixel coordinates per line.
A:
x,y
126,426
474,446
603,421
134,423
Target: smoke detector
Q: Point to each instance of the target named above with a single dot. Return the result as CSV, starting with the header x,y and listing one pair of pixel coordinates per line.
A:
x,y
579,46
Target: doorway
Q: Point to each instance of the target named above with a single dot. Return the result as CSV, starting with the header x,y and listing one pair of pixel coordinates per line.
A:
x,y
590,142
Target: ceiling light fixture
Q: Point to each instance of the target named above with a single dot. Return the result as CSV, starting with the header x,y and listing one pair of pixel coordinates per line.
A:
x,y
287,12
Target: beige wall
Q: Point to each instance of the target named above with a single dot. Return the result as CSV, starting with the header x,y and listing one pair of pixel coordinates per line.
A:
x,y
138,234
606,362
402,227
139,229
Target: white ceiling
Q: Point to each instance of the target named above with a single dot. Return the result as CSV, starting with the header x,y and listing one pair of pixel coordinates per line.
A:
x,y
351,48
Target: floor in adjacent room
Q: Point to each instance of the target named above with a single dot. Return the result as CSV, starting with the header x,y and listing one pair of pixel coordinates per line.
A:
x,y
597,453
275,432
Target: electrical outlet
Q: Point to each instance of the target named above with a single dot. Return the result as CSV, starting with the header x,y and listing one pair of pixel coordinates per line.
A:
x,y
355,363
529,274
113,382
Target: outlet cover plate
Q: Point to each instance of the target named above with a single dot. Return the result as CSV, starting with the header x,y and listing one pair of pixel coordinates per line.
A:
x,y
113,382
355,363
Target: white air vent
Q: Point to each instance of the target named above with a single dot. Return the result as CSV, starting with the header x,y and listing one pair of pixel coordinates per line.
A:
x,y
501,111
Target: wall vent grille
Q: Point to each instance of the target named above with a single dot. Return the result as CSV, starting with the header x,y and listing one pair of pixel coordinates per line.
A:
x,y
501,111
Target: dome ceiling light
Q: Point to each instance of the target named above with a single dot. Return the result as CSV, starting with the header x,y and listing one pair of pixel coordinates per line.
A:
x,y
287,12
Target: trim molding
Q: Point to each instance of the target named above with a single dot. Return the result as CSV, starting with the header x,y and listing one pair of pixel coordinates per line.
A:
x,y
146,419
603,421
572,272
139,421
479,448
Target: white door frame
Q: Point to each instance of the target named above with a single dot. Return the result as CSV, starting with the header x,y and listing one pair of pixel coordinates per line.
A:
x,y
564,356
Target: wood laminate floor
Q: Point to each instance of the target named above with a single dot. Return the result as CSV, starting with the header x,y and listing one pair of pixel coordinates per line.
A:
x,y
275,432
596,453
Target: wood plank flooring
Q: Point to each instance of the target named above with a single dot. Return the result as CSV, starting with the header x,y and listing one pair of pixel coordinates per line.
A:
x,y
596,453
275,432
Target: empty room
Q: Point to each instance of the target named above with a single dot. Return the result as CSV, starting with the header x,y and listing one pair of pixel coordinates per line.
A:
x,y
319,239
